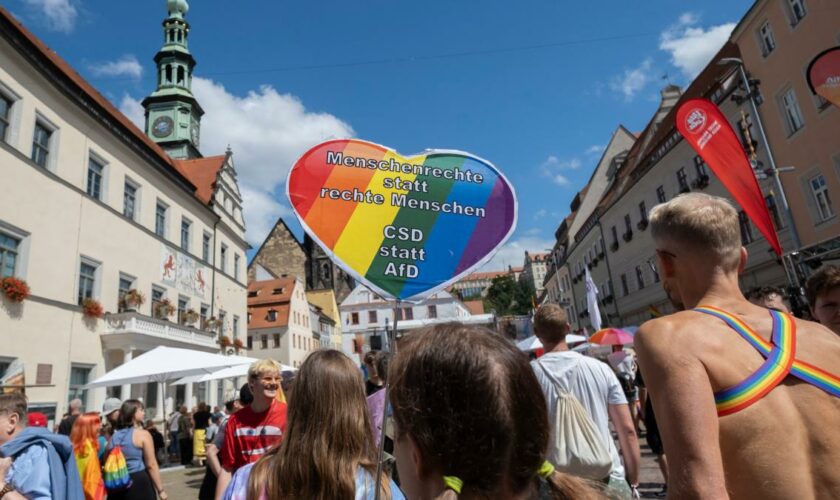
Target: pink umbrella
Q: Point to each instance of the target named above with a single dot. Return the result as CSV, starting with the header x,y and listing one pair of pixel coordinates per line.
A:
x,y
611,336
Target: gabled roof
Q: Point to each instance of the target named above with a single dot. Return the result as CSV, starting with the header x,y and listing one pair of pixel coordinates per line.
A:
x,y
265,291
260,316
203,172
81,89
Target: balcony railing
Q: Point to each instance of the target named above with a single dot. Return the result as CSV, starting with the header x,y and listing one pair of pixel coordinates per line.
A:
x,y
140,324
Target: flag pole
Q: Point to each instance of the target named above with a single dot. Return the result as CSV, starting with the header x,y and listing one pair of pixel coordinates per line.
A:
x,y
392,349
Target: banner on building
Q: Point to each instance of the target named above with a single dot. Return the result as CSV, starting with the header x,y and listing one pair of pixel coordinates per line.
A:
x,y
406,227
182,272
704,127
592,301
824,75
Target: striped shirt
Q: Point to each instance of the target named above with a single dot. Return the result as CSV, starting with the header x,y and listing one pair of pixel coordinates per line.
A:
x,y
249,435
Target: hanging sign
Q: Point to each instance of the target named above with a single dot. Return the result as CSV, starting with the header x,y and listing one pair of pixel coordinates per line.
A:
x,y
704,127
405,227
824,75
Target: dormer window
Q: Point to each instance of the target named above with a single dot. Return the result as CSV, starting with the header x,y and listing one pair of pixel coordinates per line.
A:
x,y
272,315
277,291
253,294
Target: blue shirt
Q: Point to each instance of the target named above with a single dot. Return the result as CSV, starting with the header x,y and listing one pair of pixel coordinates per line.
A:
x,y
133,455
30,473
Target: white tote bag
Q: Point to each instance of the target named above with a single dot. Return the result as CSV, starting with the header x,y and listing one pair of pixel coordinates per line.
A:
x,y
577,447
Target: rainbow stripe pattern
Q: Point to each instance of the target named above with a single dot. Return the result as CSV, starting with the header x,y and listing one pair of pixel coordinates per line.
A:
x,y
781,360
404,226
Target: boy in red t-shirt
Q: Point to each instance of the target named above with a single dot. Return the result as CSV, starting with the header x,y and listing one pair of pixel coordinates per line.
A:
x,y
253,430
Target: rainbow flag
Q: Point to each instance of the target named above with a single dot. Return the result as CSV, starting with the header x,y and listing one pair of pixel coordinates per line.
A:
x,y
654,312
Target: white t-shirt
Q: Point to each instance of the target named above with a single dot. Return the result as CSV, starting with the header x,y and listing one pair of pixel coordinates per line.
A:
x,y
592,382
623,362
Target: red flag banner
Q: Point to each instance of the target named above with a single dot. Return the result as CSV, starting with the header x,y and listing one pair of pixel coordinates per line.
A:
x,y
824,75
704,127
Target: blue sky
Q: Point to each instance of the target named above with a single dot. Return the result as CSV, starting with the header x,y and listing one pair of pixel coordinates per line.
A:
x,y
535,87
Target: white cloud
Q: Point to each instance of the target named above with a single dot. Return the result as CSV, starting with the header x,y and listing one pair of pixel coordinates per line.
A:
x,y
561,180
127,65
596,149
513,252
540,214
692,47
268,131
60,14
633,80
553,166
132,108
533,231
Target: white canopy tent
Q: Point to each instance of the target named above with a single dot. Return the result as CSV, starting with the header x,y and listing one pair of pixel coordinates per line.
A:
x,y
532,343
231,372
162,364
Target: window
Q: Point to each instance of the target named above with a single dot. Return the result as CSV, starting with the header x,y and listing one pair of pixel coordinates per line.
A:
x,y
160,219
183,305
204,312
407,313
627,228
614,233
205,247
797,11
94,180
126,283
354,318
643,211
41,144
682,180
236,266
79,377
640,277
185,234
773,208
5,119
660,194
372,317
222,317
224,257
652,263
700,167
820,191
768,42
130,200
791,111
432,312
264,342
157,297
250,343
8,255
272,315
235,329
276,340
87,280
746,228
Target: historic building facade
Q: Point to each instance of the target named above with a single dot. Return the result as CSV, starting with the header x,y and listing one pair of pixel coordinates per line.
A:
x,y
94,208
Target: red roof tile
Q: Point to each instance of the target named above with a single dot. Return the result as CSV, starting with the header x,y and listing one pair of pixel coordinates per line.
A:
x,y
475,306
202,172
265,291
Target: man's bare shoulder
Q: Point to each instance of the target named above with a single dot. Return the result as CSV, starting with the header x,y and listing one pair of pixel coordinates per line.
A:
x,y
816,343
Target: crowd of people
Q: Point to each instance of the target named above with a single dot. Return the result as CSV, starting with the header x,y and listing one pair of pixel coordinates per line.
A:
x,y
744,397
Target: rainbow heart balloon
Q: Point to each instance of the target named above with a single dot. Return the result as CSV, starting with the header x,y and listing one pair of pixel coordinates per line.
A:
x,y
406,227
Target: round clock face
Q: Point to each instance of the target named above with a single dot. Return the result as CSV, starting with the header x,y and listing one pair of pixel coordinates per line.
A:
x,y
162,126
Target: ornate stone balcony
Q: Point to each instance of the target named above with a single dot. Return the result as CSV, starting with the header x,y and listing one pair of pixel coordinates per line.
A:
x,y
138,327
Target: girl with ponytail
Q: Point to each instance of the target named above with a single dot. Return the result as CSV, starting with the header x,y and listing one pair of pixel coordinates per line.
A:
x,y
471,420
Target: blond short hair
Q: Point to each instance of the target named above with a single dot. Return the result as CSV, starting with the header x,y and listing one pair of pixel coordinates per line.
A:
x,y
704,223
261,367
551,323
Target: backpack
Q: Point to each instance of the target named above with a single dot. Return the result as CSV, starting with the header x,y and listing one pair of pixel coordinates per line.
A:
x,y
115,471
576,445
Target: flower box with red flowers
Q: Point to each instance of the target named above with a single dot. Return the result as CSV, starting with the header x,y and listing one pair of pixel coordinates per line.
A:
x,y
224,341
16,289
91,308
237,343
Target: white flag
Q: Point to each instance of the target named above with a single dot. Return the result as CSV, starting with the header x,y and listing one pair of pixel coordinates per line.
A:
x,y
592,302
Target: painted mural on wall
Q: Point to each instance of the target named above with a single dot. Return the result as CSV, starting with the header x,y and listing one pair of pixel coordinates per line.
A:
x,y
183,273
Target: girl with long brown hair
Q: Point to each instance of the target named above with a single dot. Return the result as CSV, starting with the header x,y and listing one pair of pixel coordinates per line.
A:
x,y
471,420
328,451
88,447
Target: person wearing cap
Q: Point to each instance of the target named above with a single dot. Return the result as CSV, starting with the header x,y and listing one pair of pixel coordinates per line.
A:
x,y
36,419
110,415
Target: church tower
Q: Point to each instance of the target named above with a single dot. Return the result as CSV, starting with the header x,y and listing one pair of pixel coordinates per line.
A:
x,y
173,116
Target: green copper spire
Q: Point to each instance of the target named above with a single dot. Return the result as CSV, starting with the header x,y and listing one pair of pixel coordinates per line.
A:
x,y
173,116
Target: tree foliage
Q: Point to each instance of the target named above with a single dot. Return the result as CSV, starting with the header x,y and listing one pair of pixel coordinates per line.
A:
x,y
509,297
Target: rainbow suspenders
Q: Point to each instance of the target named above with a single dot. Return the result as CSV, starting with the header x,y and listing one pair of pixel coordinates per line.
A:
x,y
780,361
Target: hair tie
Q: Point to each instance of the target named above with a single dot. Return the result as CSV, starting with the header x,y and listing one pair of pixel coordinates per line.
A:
x,y
546,470
453,483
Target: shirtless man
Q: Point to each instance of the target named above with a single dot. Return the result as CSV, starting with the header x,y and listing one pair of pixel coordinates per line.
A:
x,y
776,438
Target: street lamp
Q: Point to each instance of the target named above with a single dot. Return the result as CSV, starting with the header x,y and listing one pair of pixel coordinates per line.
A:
x,y
773,171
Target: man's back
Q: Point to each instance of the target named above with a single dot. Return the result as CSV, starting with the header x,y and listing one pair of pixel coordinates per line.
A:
x,y
784,445
593,384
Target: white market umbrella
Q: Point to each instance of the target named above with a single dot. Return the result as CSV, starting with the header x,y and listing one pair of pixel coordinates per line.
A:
x,y
573,339
167,363
532,343
231,372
